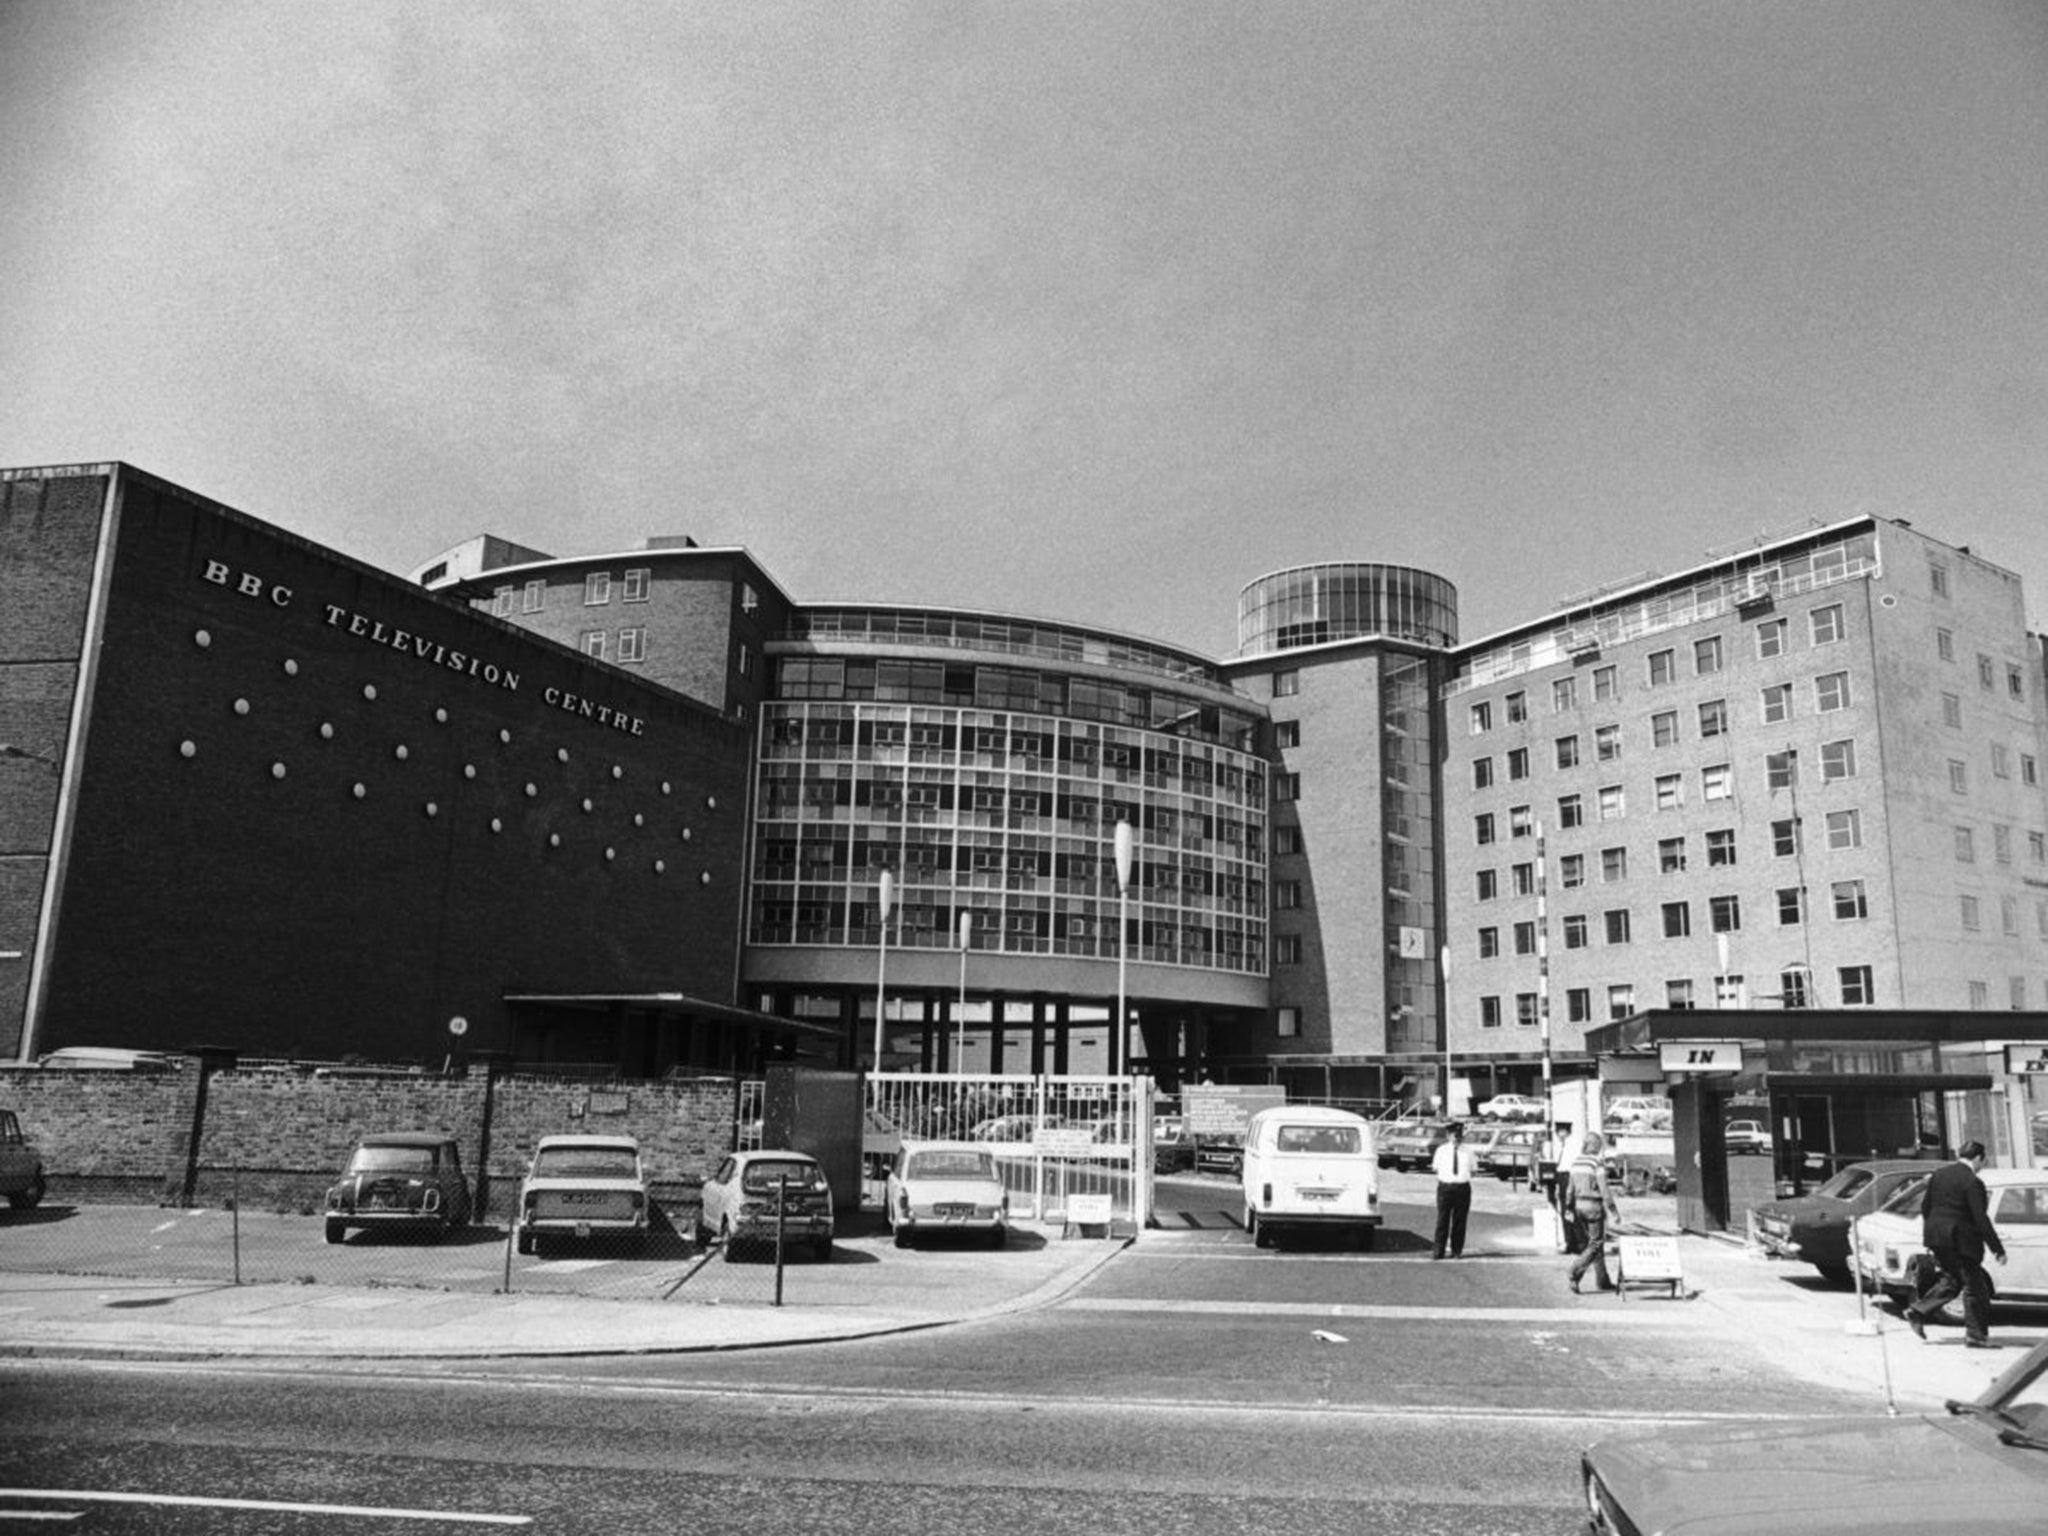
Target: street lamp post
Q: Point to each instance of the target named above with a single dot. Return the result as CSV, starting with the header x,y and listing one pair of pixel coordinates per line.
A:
x,y
884,890
1118,1028
960,1018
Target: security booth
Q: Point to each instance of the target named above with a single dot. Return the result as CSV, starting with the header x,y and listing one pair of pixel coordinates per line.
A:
x,y
1825,1088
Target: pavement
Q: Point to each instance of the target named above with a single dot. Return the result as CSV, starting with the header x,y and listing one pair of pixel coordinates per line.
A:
x,y
1726,1291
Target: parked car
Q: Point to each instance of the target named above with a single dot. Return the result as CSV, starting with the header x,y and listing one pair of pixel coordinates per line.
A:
x,y
738,1208
1175,1154
1814,1229
583,1187
1511,1106
400,1181
1405,1144
1024,1128
1981,1467
1746,1136
1888,1242
1219,1154
1517,1153
1641,1111
21,1165
1308,1167
947,1186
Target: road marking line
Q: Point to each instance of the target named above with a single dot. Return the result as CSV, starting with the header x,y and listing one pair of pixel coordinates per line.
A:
x,y
1603,1316
186,1502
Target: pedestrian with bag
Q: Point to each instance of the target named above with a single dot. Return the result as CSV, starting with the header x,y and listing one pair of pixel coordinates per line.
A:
x,y
1453,1164
1955,1226
1592,1202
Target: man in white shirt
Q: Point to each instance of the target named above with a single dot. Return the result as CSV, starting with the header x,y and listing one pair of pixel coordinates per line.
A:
x,y
1453,1164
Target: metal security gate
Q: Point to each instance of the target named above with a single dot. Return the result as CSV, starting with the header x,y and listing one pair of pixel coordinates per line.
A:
x,y
1071,1149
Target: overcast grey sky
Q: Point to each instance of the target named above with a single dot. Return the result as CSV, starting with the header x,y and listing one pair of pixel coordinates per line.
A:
x,y
1094,311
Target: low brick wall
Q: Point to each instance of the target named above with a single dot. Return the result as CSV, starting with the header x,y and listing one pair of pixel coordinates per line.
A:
x,y
276,1140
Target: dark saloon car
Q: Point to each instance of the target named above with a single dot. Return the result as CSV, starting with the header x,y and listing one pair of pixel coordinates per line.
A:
x,y
407,1181
1980,1469
1814,1229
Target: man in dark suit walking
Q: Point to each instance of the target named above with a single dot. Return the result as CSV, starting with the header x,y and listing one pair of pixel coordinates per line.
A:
x,y
1955,1226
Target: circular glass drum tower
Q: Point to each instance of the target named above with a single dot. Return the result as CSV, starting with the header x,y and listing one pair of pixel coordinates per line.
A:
x,y
1314,604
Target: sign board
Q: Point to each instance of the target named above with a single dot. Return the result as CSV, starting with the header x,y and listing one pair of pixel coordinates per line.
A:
x,y
1209,1110
1650,1261
1700,1055
458,1026
2026,1060
1088,1210
1064,1143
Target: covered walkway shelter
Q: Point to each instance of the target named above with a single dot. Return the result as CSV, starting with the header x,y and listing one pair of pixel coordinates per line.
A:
x,y
1832,1087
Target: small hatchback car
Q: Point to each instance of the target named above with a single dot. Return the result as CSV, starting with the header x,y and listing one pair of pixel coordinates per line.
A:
x,y
400,1181
21,1167
741,1198
583,1187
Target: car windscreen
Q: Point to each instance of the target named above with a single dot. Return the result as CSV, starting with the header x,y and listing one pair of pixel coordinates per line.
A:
x,y
949,1165
392,1160
1847,1184
585,1163
761,1176
1326,1140
1909,1200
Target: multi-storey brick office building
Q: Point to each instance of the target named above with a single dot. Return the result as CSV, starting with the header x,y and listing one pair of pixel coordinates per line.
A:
x,y
1804,776
257,795
983,762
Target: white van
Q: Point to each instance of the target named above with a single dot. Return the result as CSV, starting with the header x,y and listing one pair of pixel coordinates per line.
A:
x,y
1308,1167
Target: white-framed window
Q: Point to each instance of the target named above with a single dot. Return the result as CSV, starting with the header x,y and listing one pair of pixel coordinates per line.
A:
x,y
1725,913
1621,1000
1717,781
1518,764
1286,684
1606,685
1571,871
1728,991
633,644
1859,987
1287,733
1777,704
1831,692
501,601
597,588
1845,829
1837,761
1525,1009
1481,714
1486,884
1851,901
1489,1012
1575,930
2001,760
1952,711
535,597
2001,842
1706,656
1607,743
633,584
1286,895
1678,995
1287,949
1571,811
1677,919
1966,845
1713,718
1663,667
592,643
1564,694
1521,821
1615,921
1287,1022
1770,639
1613,805
1525,938
1489,943
1779,768
1567,751
1786,839
1791,905
1482,771
1670,791
1524,877
1578,1005
1721,848
1827,625
1613,865
1958,776
1945,644
1664,728
1671,856
1517,706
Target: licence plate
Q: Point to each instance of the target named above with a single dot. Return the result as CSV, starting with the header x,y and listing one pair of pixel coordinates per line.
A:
x,y
953,1212
1317,1194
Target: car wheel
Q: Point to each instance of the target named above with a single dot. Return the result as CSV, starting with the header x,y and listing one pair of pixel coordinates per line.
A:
x,y
900,1236
28,1199
729,1242
1262,1235
336,1231
1367,1236
999,1238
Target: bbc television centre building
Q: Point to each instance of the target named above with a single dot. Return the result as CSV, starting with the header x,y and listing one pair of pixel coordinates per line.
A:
x,y
636,806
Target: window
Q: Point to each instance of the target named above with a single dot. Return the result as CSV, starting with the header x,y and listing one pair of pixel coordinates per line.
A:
x,y
1525,938
1827,624
1945,644
749,598
1795,988
1858,988
1678,995
1287,733
2001,842
1958,776
1524,876
1937,579
633,644
501,601
1987,673
1607,743
1717,782
1564,694
1663,667
1966,846
2001,760
1706,656
1517,707
1482,713
1845,829
1621,1000
1287,839
1952,711
597,588
633,585
591,642
1670,791
1482,828
2015,682
1286,895
1525,1009
1518,763
1785,843
536,595
1728,991
1677,919
1615,920
1613,865
745,659
1482,773
1612,805
1567,751
1287,1021
1489,1013
1606,685
1713,718
1521,821
1850,900
1725,913
1777,700
1671,856
1489,943
1664,728
1575,931
1487,886
1831,692
1770,639
2009,916
1791,905
1571,811
1721,848
1578,1005
1778,768
2029,774
1980,994
1837,761
1571,871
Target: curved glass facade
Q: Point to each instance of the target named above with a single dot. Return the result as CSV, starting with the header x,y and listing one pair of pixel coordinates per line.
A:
x,y
1315,604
